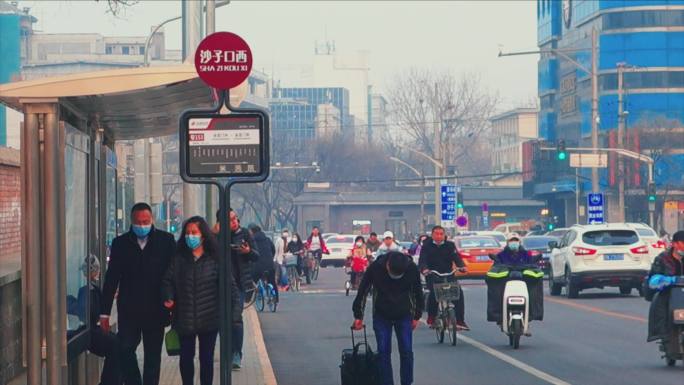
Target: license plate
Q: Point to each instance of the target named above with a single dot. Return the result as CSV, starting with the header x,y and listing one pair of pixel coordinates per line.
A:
x,y
546,255
613,257
483,258
336,250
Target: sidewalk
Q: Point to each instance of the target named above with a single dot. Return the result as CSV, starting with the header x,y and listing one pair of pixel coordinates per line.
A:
x,y
256,366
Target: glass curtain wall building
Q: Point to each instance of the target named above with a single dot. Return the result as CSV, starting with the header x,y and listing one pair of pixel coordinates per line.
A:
x,y
647,37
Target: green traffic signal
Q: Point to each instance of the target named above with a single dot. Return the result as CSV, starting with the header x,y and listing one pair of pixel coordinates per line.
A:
x,y
459,205
651,198
562,155
549,226
172,228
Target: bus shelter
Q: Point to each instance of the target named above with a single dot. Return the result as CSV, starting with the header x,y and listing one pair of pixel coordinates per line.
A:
x,y
69,193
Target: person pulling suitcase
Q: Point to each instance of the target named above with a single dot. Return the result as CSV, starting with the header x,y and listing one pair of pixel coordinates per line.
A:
x,y
397,305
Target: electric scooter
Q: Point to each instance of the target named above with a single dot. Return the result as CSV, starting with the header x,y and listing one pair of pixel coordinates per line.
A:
x,y
673,349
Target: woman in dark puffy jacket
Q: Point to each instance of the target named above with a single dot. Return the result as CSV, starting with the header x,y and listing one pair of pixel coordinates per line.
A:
x,y
191,290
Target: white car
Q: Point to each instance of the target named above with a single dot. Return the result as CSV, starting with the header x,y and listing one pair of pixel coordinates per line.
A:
x,y
340,247
648,235
596,256
498,235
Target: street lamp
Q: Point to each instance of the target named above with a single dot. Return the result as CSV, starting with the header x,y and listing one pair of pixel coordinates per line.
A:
x,y
422,191
439,171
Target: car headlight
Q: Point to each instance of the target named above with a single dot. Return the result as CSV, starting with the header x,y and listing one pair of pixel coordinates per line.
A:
x,y
678,315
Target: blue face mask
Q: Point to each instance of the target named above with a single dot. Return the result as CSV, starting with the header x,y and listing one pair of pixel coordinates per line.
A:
x,y
193,241
514,246
141,231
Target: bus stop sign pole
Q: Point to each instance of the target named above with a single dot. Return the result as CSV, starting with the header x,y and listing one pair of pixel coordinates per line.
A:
x,y
222,150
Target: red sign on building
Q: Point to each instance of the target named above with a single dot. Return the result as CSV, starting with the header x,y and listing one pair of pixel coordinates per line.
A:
x,y
223,60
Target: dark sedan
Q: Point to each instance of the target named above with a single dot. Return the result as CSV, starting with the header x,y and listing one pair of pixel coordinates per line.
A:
x,y
538,246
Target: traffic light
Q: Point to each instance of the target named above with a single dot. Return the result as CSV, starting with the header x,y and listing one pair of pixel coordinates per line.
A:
x,y
651,192
549,226
459,200
561,152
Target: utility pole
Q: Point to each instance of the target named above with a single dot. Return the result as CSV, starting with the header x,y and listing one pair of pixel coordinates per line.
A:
x,y
438,169
594,105
621,143
192,34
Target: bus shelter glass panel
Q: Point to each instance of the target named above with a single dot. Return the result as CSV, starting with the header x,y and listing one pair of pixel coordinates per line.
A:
x,y
111,203
76,212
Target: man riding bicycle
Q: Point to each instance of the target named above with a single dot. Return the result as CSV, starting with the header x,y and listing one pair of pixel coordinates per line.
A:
x,y
441,255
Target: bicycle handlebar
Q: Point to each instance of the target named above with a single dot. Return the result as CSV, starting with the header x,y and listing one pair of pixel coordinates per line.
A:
x,y
437,273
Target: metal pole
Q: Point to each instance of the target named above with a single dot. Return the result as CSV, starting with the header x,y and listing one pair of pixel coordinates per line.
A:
x,y
225,276
31,280
211,17
621,145
594,105
577,196
438,182
422,206
192,34
52,256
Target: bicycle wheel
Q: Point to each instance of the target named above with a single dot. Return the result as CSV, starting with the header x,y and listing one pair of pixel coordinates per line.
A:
x,y
273,302
250,294
259,300
440,328
452,327
347,287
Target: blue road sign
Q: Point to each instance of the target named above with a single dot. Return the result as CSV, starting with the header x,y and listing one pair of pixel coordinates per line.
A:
x,y
595,208
448,201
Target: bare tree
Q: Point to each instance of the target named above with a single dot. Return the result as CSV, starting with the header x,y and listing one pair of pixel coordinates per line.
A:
x,y
116,7
425,103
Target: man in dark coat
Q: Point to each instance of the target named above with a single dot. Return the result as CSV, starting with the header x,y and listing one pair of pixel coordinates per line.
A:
x,y
138,261
243,254
666,267
439,254
266,250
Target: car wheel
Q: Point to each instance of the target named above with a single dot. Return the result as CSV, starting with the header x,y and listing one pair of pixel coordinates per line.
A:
x,y
571,289
625,290
554,287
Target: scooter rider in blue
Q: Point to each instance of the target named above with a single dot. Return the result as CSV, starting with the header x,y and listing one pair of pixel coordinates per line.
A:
x,y
664,272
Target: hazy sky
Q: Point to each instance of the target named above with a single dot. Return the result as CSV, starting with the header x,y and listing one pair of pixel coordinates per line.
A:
x,y
457,35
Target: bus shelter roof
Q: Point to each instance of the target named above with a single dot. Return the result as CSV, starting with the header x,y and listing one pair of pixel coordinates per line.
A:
x,y
131,103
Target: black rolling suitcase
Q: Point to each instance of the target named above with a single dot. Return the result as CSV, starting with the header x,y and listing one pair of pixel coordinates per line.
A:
x,y
359,364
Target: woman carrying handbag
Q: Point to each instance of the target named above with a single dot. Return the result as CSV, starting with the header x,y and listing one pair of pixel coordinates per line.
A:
x,y
191,290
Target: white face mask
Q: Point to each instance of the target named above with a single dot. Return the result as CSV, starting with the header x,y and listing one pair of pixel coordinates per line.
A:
x,y
359,243
285,235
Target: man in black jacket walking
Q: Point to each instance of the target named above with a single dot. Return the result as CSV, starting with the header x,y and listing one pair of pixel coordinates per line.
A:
x,y
441,255
397,304
138,261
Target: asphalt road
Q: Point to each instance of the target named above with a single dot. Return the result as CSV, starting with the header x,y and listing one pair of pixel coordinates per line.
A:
x,y
599,338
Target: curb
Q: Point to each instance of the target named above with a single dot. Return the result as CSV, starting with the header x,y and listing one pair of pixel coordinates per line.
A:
x,y
267,369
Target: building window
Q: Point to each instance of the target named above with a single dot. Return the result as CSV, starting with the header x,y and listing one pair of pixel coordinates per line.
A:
x,y
643,19
108,50
141,49
125,51
655,79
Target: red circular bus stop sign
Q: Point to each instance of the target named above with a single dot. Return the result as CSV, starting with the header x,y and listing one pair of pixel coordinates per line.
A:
x,y
223,60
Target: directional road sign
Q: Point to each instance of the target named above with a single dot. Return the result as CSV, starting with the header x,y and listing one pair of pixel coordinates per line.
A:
x,y
595,208
448,202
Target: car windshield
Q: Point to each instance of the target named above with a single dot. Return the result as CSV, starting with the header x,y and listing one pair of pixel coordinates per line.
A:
x,y
473,243
499,237
610,237
338,240
646,232
537,243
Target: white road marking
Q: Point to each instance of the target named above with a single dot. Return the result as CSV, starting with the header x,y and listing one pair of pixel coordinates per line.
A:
x,y
512,361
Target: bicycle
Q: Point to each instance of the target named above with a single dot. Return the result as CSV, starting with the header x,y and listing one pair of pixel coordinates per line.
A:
x,y
292,273
315,264
348,284
265,295
446,292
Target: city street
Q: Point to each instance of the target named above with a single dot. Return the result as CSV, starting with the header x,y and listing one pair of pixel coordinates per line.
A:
x,y
598,338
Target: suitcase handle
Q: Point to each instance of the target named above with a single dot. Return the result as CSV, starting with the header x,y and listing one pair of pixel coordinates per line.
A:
x,y
365,341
